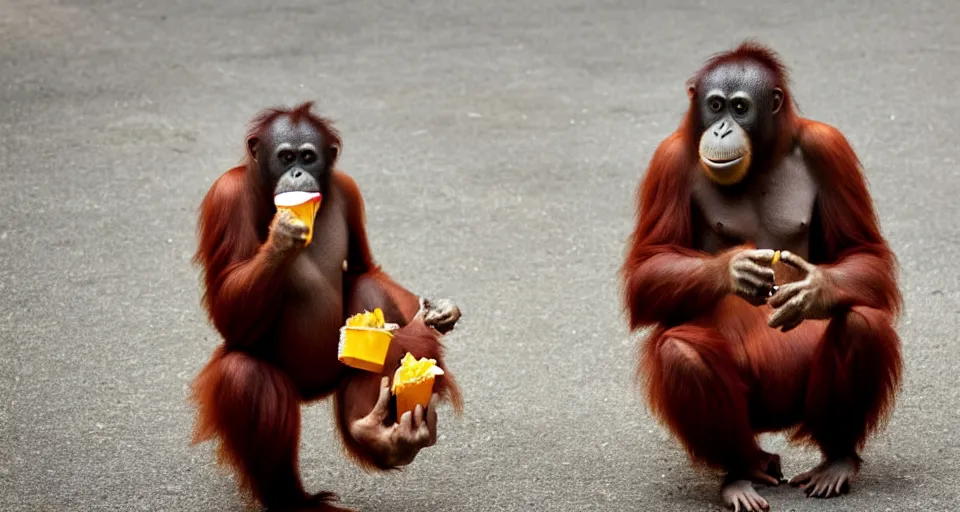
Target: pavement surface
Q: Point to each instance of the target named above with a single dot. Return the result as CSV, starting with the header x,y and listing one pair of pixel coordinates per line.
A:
x,y
498,145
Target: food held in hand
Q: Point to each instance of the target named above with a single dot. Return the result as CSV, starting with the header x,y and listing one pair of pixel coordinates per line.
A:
x,y
773,289
303,205
364,341
413,382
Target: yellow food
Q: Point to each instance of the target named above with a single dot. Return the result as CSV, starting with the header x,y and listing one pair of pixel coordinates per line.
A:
x,y
365,340
412,371
413,383
776,258
373,320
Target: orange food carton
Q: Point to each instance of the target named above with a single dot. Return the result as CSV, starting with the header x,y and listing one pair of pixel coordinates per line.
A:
x,y
303,205
413,383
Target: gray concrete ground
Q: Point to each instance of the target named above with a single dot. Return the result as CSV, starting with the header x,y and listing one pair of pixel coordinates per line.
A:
x,y
498,144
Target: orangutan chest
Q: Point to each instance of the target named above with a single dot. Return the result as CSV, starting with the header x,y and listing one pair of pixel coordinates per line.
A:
x,y
773,210
320,264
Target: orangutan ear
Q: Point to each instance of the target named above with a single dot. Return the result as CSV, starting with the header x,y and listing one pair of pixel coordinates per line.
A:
x,y
777,99
253,143
333,152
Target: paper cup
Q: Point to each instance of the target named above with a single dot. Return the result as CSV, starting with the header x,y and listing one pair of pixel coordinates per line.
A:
x,y
365,348
410,395
413,382
303,205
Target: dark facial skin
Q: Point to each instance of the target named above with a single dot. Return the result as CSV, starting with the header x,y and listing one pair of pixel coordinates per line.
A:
x,y
294,157
737,103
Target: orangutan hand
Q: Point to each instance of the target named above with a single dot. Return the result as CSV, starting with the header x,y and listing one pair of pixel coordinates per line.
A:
x,y
807,299
397,444
751,274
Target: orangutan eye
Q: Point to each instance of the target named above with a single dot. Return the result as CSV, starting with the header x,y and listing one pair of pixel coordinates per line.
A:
x,y
716,104
308,156
740,107
287,156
